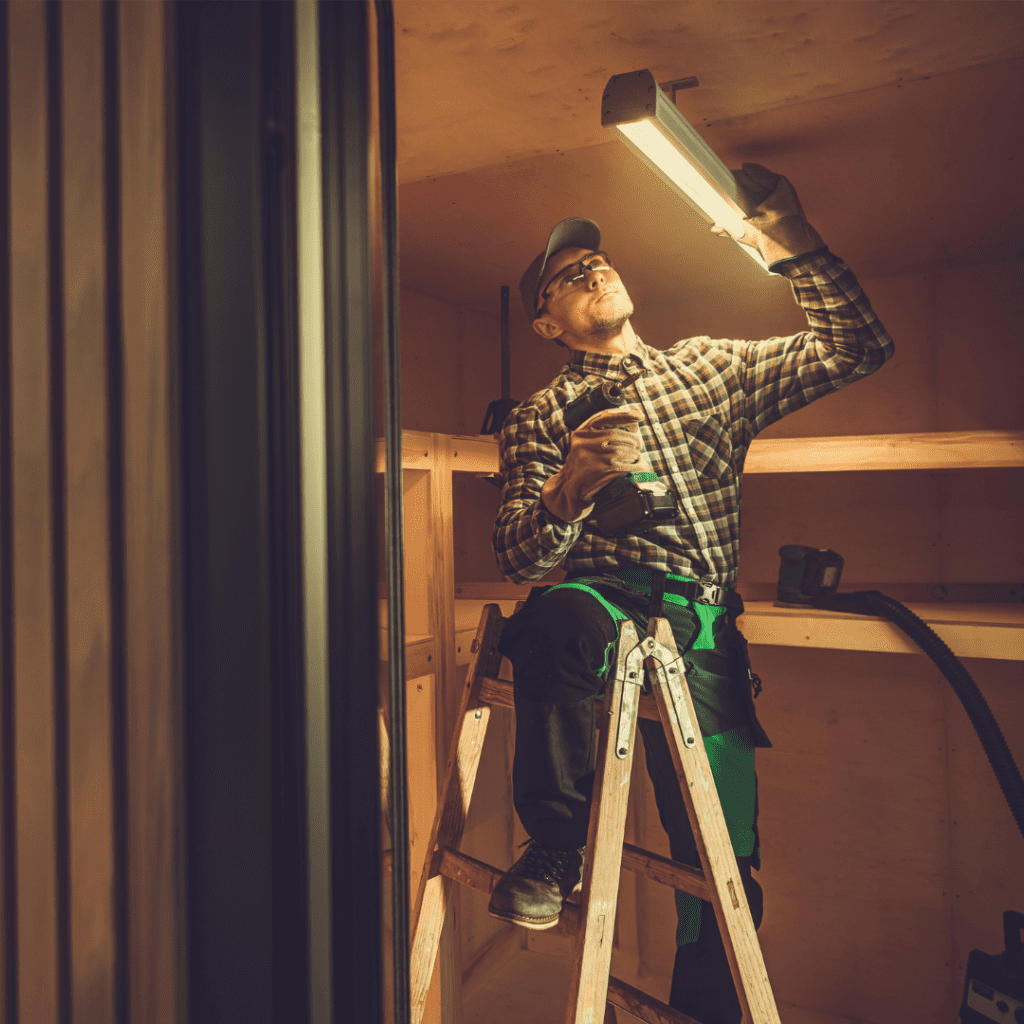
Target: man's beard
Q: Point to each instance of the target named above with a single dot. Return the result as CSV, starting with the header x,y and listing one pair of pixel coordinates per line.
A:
x,y
607,327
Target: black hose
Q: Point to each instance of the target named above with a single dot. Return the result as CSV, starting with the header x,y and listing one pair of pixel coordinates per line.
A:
x,y
873,602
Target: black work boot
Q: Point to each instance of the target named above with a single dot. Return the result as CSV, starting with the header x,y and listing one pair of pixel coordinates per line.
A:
x,y
531,892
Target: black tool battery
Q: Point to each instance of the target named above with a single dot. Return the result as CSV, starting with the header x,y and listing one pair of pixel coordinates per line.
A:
x,y
807,576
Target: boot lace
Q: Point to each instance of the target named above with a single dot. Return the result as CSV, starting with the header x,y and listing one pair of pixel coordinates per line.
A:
x,y
552,866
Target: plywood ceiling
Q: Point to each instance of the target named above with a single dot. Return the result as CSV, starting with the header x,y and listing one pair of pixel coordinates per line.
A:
x,y
898,122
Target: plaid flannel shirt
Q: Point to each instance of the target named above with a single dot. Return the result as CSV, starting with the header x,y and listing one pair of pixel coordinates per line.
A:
x,y
704,401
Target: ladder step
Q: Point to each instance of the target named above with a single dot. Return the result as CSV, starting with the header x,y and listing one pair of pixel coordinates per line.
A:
x,y
498,693
467,871
481,877
641,1005
475,874
666,871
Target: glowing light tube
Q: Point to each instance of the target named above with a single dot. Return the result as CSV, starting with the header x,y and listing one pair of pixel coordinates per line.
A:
x,y
650,124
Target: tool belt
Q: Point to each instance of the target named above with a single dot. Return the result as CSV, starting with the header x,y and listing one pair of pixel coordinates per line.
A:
x,y
705,593
702,591
657,583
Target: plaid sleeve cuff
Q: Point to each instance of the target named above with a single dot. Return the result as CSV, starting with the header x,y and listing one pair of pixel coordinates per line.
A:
x,y
805,263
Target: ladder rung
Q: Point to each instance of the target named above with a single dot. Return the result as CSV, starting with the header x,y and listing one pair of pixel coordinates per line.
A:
x,y
474,874
498,693
641,1005
569,921
668,872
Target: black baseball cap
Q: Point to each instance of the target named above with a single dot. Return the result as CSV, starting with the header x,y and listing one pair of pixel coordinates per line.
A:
x,y
571,233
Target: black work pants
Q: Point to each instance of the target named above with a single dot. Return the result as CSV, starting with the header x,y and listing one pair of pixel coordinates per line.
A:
x,y
559,647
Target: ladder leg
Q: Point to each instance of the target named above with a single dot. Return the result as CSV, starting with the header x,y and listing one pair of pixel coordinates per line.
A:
x,y
588,990
709,830
452,807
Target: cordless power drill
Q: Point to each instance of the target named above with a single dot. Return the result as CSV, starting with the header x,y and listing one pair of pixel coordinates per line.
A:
x,y
634,502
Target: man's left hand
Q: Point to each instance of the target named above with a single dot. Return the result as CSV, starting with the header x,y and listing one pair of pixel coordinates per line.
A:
x,y
776,225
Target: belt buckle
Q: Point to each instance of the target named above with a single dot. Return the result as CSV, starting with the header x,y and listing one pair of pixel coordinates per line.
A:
x,y
710,593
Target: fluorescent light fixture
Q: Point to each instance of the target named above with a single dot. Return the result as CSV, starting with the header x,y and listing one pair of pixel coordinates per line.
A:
x,y
639,113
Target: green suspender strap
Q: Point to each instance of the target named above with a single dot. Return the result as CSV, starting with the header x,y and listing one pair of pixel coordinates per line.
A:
x,y
617,614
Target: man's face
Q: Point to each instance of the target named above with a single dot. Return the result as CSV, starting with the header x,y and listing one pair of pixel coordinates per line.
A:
x,y
594,307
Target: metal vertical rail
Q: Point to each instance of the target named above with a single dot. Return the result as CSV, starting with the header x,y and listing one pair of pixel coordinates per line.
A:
x,y
393,516
289,896
311,360
353,659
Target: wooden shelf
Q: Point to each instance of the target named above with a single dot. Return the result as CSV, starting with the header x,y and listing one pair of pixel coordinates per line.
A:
x,y
419,647
964,449
468,453
973,631
419,652
969,630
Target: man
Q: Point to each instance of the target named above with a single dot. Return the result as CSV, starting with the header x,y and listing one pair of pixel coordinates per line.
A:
x,y
694,409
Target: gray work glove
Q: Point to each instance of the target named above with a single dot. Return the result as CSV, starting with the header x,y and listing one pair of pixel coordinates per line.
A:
x,y
776,225
600,449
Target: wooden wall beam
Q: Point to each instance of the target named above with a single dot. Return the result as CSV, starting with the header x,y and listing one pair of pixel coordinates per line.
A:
x,y
33,638
93,595
152,654
90,768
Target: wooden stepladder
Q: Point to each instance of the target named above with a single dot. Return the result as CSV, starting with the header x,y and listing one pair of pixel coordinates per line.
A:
x,y
593,919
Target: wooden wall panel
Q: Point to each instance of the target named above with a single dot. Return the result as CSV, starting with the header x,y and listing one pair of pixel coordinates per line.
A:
x,y
982,541
427,364
887,526
152,657
68,155
90,763
855,834
33,564
979,358
478,365
451,362
475,504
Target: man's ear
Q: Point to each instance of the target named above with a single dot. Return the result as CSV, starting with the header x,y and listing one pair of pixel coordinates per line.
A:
x,y
547,328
